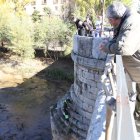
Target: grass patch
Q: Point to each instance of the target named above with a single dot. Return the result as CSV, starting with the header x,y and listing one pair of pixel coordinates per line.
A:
x,y
57,74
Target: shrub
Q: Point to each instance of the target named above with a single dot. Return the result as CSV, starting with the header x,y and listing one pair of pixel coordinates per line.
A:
x,y
22,35
58,74
22,41
56,30
52,31
36,16
17,32
39,35
5,29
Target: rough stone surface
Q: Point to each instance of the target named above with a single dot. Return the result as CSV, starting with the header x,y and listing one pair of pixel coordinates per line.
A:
x,y
97,126
71,116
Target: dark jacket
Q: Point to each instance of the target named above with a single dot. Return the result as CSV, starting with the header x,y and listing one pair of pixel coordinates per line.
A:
x,y
126,41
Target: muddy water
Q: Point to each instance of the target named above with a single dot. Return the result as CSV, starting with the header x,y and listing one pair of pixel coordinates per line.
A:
x,y
24,106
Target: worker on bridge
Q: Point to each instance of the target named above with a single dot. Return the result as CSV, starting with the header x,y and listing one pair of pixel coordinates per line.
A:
x,y
126,42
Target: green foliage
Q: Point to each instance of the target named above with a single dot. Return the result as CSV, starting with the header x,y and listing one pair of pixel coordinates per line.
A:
x,y
50,30
16,32
68,10
56,30
36,16
22,33
39,35
47,11
84,7
58,74
2,1
5,19
19,5
67,51
127,2
5,35
94,7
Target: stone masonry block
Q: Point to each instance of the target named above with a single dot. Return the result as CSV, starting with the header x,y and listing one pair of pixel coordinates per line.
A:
x,y
89,64
87,93
78,82
90,95
84,113
87,107
100,64
86,121
96,64
93,89
86,62
96,71
100,86
82,125
81,111
82,68
79,72
97,77
77,89
88,75
82,133
85,99
83,45
88,47
87,81
96,53
76,99
76,115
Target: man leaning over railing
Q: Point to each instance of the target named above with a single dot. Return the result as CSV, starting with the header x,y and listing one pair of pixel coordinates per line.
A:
x,y
126,42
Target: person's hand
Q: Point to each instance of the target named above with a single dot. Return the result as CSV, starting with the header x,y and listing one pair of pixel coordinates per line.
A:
x,y
102,46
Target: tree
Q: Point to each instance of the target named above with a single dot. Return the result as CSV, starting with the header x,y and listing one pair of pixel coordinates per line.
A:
x,y
22,37
16,33
36,16
2,2
94,6
84,6
5,19
47,11
17,5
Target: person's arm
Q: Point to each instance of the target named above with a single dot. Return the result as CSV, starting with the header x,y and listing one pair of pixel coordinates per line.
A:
x,y
126,42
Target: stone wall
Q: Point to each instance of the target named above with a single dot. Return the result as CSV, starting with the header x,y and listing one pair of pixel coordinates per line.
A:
x,y
71,116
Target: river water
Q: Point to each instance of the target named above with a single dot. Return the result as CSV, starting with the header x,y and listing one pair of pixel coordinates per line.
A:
x,y
25,102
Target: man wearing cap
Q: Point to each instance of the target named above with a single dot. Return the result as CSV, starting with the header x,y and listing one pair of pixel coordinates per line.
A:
x,y
126,42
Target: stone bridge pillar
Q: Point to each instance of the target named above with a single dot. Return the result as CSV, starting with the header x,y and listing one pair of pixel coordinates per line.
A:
x,y
70,117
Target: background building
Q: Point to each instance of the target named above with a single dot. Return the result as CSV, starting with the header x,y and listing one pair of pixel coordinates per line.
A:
x,y
57,7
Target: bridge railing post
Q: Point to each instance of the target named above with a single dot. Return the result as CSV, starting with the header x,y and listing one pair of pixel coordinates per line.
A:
x,y
126,128
120,124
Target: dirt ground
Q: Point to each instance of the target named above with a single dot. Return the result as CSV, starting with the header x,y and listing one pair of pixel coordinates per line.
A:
x,y
26,94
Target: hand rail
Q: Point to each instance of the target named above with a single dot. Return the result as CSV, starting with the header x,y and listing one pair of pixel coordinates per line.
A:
x,y
120,124
126,128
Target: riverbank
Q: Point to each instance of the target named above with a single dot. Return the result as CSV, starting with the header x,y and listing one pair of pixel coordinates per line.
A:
x,y
26,94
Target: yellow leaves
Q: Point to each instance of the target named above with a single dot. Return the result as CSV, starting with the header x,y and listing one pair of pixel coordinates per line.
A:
x,y
2,1
16,6
127,2
96,5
